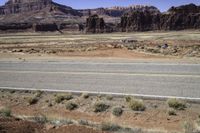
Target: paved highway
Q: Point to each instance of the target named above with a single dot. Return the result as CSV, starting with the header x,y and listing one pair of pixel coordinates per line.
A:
x,y
156,79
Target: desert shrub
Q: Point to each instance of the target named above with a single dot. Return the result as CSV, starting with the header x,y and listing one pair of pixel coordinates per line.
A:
x,y
171,112
128,98
117,111
61,122
188,127
40,119
100,107
83,122
12,91
71,106
136,105
109,97
110,127
68,96
176,104
59,98
85,95
38,93
5,112
32,100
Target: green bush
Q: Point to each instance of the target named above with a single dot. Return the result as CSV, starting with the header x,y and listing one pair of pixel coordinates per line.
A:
x,y
171,112
59,98
110,127
136,105
100,107
117,111
32,100
176,104
6,112
71,106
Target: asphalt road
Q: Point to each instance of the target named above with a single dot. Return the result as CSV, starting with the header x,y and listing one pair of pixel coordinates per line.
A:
x,y
156,79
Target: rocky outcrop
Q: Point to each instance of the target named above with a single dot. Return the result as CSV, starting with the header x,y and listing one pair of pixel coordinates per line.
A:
x,y
21,6
117,11
42,15
177,18
15,26
95,24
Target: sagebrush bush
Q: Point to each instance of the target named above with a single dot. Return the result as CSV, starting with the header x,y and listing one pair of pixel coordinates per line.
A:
x,y
110,127
32,100
117,111
38,93
100,107
68,96
176,104
128,98
136,105
71,106
59,98
171,112
5,112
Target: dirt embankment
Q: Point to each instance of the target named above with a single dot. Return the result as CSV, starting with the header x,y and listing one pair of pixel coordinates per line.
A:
x,y
74,112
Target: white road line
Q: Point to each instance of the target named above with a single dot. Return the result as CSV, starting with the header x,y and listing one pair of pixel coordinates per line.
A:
x,y
106,93
102,63
105,73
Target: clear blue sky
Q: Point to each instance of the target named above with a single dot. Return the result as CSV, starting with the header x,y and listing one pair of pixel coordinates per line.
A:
x,y
163,5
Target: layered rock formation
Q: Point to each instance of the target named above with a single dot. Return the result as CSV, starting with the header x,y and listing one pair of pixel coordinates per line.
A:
x,y
95,24
38,15
21,6
177,18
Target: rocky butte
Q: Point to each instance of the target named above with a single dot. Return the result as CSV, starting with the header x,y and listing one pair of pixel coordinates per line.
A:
x,y
176,18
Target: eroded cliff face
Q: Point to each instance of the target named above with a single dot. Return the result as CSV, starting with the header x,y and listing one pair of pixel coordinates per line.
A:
x,y
177,18
38,15
21,6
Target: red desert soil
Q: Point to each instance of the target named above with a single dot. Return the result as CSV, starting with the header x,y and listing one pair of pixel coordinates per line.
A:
x,y
12,125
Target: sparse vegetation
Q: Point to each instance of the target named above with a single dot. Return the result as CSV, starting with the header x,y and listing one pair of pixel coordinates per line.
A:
x,y
12,91
136,105
188,127
110,127
5,112
100,107
83,122
68,96
176,104
38,93
32,100
109,97
128,98
71,106
171,112
59,98
85,95
117,111
40,119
